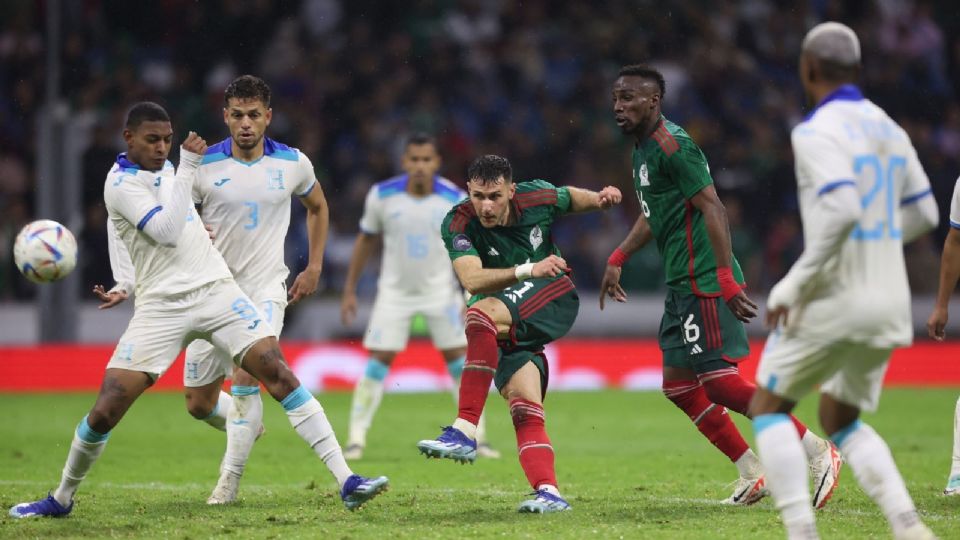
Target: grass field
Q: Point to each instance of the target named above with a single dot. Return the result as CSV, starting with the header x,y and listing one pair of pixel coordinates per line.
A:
x,y
631,465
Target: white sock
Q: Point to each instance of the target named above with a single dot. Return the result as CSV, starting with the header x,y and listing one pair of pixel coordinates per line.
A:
x,y
813,445
955,466
307,417
367,396
873,466
468,428
480,431
549,489
244,419
86,447
218,417
785,463
748,465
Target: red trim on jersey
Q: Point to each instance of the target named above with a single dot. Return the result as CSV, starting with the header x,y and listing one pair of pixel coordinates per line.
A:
x,y
537,197
667,143
707,326
715,321
549,293
465,213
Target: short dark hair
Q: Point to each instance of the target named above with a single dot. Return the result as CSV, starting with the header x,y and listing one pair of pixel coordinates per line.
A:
x,y
145,111
247,87
420,138
646,72
490,168
836,72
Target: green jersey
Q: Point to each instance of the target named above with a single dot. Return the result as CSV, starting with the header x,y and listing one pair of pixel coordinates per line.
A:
x,y
536,205
668,170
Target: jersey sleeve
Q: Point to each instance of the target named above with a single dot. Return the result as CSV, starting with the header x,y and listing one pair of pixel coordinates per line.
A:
x,y
132,200
821,162
371,222
917,184
196,192
955,206
455,236
541,192
306,177
124,275
688,168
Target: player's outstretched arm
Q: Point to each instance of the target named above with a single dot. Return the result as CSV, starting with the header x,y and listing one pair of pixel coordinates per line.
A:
x,y
318,225
584,200
949,274
479,280
638,237
718,230
363,248
174,202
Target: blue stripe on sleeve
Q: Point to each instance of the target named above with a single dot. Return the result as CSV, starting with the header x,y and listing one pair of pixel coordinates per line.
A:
x,y
146,218
309,189
914,198
830,186
954,224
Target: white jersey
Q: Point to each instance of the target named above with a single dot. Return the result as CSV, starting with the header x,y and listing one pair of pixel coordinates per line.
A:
x,y
248,206
414,261
955,207
132,200
863,295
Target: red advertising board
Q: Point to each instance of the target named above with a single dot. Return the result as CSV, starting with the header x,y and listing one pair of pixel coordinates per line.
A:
x,y
574,365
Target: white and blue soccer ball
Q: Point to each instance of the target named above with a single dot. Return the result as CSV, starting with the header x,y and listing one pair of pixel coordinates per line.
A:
x,y
45,251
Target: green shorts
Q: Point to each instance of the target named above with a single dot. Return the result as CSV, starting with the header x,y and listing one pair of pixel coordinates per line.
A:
x,y
701,334
542,310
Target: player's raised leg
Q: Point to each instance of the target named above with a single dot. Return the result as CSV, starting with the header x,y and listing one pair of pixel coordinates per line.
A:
x,y
119,389
367,395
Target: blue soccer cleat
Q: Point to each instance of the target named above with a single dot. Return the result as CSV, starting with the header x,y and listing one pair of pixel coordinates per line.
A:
x,y
357,490
48,507
452,444
543,502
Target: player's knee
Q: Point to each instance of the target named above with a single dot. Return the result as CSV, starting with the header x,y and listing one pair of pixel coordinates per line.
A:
x,y
199,409
478,321
526,413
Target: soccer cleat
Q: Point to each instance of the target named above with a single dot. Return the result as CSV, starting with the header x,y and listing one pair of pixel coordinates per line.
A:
x,y
48,507
484,450
452,444
953,485
357,490
226,490
916,532
353,451
747,491
543,502
825,470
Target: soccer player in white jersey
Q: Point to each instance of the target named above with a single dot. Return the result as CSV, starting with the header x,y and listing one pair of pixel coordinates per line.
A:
x,y
937,323
184,290
415,278
845,304
243,191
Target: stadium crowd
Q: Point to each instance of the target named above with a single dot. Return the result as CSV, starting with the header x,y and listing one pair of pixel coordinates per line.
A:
x,y
530,80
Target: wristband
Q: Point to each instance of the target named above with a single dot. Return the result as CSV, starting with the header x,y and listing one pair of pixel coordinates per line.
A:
x,y
728,285
617,258
523,271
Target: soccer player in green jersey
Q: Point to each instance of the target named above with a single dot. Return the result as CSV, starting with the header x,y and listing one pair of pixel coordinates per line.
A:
x,y
701,333
501,242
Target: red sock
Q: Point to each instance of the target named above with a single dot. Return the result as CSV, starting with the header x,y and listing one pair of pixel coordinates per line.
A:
x,y
726,387
480,366
712,420
533,445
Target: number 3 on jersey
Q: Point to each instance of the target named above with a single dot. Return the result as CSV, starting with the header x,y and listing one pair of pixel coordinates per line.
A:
x,y
253,216
883,182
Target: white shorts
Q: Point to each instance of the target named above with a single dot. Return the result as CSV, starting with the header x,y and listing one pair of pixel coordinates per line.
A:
x,y
389,327
851,373
219,312
205,364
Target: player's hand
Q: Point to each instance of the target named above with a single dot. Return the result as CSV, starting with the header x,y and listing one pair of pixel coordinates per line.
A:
x,y
777,317
608,197
110,298
348,308
937,324
552,266
781,297
210,233
195,143
610,285
743,307
304,285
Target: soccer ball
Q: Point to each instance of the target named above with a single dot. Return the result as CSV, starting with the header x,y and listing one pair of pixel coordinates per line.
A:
x,y
45,251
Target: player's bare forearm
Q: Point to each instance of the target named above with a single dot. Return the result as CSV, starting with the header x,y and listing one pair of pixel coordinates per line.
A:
x,y
585,200
318,226
949,268
479,280
639,235
715,220
363,248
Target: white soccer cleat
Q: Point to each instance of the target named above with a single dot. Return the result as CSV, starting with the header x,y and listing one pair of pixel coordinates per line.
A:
x,y
353,451
747,491
825,470
226,490
484,450
953,485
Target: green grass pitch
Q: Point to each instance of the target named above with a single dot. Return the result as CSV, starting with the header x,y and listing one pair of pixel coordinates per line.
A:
x,y
630,463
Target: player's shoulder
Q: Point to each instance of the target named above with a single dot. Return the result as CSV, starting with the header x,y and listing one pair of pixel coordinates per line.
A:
x,y
458,218
123,170
395,185
278,150
671,138
537,192
217,152
447,190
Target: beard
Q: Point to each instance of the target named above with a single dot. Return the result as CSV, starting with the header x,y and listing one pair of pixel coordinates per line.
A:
x,y
247,144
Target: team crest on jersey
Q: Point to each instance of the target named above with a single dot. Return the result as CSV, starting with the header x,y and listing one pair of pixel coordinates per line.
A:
x,y
643,175
274,179
462,243
536,237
